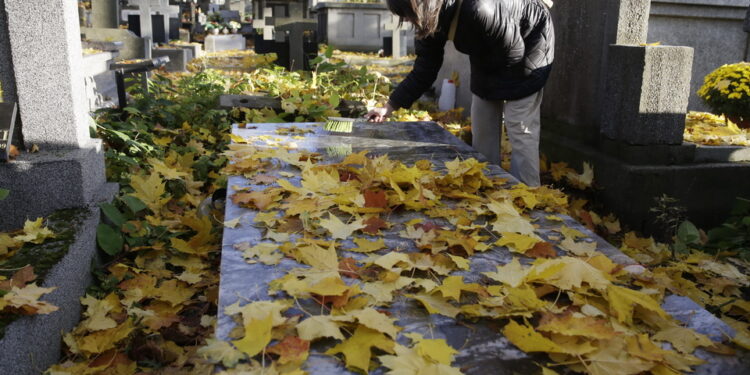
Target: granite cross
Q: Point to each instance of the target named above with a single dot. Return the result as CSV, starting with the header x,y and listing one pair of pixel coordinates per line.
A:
x,y
267,24
397,28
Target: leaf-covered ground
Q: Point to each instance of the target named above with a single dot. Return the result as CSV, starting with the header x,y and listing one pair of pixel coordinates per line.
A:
x,y
154,308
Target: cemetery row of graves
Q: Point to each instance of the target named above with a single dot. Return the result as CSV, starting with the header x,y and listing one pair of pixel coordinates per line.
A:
x,y
236,235
155,303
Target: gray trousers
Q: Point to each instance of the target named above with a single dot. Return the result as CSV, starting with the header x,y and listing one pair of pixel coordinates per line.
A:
x,y
522,123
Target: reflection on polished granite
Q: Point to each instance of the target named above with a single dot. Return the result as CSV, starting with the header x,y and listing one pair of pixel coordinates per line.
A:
x,y
482,348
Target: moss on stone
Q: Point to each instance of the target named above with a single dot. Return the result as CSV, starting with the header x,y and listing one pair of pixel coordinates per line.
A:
x,y
65,224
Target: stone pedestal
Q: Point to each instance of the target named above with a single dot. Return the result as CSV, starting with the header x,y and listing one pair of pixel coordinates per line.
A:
x,y
177,58
355,26
215,43
646,94
105,13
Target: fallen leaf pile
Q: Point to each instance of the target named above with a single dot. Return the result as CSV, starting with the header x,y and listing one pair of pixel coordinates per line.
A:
x,y
712,130
581,310
154,308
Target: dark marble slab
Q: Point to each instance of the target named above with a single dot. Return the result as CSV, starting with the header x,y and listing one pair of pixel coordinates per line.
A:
x,y
482,348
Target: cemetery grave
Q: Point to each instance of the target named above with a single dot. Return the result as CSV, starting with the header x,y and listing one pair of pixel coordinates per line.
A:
x,y
243,238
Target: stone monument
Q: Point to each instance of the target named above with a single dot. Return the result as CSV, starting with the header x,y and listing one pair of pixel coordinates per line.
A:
x,y
40,70
105,14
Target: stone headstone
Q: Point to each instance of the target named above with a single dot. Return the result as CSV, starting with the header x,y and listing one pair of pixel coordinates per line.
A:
x,y
160,33
105,13
294,34
7,124
230,15
647,94
584,30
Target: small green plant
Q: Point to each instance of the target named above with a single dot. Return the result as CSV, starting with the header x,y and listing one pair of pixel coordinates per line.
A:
x,y
669,216
733,236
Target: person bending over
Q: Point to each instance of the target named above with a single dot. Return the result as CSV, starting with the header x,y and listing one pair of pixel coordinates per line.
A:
x,y
510,44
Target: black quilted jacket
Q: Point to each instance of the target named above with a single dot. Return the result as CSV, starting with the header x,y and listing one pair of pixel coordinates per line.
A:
x,y
510,44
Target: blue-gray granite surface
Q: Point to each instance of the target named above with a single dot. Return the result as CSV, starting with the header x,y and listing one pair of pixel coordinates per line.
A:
x,y
482,349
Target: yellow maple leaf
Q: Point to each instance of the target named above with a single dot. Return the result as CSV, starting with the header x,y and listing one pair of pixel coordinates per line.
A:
x,y
571,325
623,300
34,232
529,340
366,246
511,274
26,301
101,341
357,349
319,326
409,361
329,286
257,336
265,252
168,172
259,310
685,340
218,351
97,310
435,304
567,273
452,287
612,358
581,249
436,350
518,243
508,219
7,243
150,190
339,229
376,320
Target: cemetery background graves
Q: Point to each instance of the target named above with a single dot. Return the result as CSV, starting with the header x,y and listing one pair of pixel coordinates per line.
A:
x,y
160,304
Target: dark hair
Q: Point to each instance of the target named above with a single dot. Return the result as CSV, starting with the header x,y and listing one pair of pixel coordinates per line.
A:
x,y
423,14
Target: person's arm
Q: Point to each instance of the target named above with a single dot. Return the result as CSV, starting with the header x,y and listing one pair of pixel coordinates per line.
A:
x,y
426,67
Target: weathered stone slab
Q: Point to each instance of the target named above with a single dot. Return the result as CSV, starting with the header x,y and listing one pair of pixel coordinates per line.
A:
x,y
647,91
482,348
177,58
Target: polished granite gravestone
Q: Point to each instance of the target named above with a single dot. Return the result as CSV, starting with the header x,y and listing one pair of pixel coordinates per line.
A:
x,y
482,348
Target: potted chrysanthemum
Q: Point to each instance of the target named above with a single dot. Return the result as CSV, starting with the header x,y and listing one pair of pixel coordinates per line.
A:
x,y
726,91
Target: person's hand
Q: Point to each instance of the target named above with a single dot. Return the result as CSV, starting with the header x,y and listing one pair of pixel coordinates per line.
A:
x,y
379,114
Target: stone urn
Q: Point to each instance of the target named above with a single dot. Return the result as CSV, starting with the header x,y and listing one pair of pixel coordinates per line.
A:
x,y
224,31
215,31
233,30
